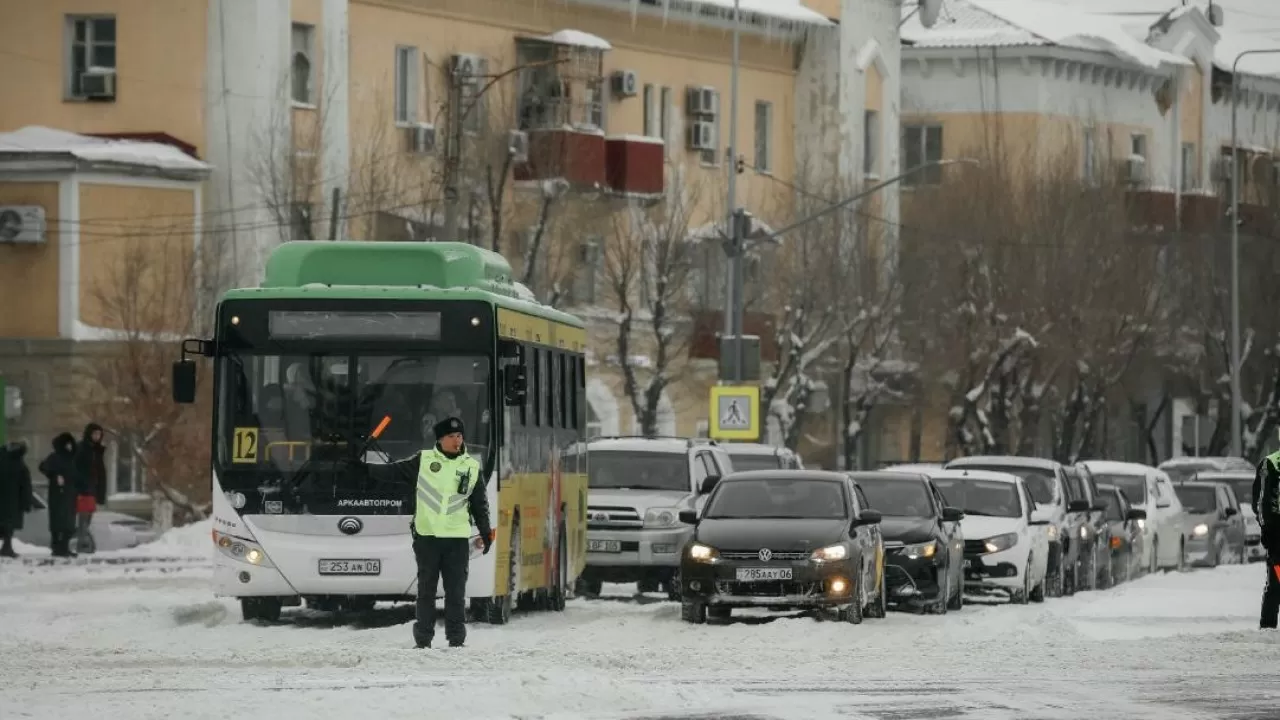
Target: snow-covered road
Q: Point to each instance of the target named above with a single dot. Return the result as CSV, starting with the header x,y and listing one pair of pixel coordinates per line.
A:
x,y
147,640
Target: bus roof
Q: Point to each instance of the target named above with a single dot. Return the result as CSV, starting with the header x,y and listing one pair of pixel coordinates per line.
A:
x,y
397,270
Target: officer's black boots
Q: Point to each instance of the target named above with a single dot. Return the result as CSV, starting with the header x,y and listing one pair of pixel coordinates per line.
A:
x,y
455,643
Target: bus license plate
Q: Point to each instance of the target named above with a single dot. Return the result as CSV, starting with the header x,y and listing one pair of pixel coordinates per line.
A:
x,y
350,567
763,574
604,546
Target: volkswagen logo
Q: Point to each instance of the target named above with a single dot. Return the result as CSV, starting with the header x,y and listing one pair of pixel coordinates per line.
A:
x,y
350,525
766,555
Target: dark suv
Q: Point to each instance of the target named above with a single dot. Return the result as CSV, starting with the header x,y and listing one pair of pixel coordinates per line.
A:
x,y
1090,529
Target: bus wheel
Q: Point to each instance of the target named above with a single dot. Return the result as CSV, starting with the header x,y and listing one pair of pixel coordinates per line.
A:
x,y
499,608
556,595
260,608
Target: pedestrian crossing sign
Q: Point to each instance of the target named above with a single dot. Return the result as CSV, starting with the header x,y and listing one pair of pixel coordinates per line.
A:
x,y
735,412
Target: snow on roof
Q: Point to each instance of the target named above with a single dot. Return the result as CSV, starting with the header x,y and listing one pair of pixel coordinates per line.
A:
x,y
35,139
785,10
577,38
1115,467
986,23
1009,461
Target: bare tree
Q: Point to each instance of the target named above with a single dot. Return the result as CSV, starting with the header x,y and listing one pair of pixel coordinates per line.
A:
x,y
647,265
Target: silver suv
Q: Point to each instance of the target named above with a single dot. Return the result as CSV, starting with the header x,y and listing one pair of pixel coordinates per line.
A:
x,y
636,490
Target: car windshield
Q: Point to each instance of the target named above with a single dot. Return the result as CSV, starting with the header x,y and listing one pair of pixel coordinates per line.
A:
x,y
1198,499
907,497
1040,481
1243,486
1113,505
994,498
1133,486
637,470
298,417
755,461
788,498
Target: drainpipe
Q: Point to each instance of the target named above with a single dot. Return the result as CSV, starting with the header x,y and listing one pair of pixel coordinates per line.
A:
x,y
1177,149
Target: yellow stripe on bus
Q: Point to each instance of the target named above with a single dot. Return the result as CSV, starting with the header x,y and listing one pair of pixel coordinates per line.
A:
x,y
527,328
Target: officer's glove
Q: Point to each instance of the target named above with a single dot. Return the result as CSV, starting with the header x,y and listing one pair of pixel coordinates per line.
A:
x,y
488,542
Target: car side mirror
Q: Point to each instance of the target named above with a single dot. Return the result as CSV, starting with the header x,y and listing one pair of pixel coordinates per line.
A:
x,y
1099,507
868,517
1136,514
515,385
709,483
1078,506
1164,504
1039,521
1231,512
952,514
688,517
184,381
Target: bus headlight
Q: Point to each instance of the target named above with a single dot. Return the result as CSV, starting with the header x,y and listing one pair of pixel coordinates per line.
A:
x,y
241,550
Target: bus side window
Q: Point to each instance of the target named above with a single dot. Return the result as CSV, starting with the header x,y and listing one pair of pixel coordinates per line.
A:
x,y
524,407
536,390
572,391
551,388
564,390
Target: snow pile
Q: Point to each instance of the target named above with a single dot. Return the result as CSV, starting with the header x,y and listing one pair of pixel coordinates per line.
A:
x,y
35,139
577,38
783,10
1070,28
189,541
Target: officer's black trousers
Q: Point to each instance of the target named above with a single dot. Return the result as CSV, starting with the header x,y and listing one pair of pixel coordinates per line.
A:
x,y
438,558
1271,592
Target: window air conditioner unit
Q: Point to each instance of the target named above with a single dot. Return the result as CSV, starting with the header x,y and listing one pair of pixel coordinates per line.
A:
x,y
465,68
98,83
1224,168
1136,169
422,138
589,253
22,225
625,83
518,146
702,135
703,100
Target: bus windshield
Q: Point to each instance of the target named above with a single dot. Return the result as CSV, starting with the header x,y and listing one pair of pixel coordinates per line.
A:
x,y
281,415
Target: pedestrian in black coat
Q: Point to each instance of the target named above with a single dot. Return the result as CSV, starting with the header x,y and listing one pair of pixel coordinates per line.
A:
x,y
60,468
91,463
15,494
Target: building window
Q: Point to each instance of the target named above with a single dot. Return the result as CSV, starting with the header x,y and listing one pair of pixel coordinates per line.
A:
x,y
1138,145
922,144
1090,146
301,68
870,142
764,133
648,111
129,472
664,115
560,85
406,84
91,51
1190,167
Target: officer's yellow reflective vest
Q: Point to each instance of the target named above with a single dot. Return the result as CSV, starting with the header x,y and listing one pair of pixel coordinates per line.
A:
x,y
444,486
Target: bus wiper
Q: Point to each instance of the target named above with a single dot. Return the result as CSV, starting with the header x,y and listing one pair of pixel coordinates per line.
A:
x,y
372,441
303,470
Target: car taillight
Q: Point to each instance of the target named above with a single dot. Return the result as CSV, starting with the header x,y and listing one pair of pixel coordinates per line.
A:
x,y
1115,543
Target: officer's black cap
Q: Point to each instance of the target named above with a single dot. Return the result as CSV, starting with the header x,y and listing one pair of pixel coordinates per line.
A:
x,y
448,426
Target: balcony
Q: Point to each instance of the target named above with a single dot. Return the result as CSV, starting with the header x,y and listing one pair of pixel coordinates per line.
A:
x,y
634,164
577,156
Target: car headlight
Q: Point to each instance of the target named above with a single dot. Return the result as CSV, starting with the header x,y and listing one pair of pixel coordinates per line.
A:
x,y
702,553
1142,524
661,517
924,550
1084,532
1000,542
1200,530
830,553
241,550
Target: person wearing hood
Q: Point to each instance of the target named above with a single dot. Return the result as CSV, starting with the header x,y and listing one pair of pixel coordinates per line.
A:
x,y
1266,507
15,494
59,467
91,484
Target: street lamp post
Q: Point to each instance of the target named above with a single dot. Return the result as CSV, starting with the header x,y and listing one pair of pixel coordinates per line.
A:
x,y
733,283
1236,450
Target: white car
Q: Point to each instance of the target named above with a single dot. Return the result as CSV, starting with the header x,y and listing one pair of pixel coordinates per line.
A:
x,y
1163,532
111,530
914,468
1006,550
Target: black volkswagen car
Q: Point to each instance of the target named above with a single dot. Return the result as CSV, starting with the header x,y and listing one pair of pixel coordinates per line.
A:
x,y
923,542
783,539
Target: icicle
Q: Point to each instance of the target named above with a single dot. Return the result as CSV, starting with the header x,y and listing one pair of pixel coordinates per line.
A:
x,y
635,10
666,11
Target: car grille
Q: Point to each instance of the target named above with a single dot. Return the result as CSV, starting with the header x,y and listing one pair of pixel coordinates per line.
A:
x,y
767,589
601,517
1253,540
755,555
975,547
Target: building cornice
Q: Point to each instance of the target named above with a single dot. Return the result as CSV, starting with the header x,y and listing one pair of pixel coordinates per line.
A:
x,y
1030,53
21,164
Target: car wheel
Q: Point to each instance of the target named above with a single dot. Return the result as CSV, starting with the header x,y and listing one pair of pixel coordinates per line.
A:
x,y
1054,582
693,611
498,610
1182,556
719,613
1154,565
956,600
1021,597
878,607
944,599
851,614
1034,594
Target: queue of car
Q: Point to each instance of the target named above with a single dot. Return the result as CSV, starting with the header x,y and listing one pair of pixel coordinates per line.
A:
x,y
721,527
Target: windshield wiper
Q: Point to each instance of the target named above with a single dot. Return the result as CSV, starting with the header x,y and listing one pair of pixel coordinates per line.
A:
x,y
967,511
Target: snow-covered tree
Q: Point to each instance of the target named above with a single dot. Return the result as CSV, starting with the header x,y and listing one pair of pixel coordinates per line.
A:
x,y
647,263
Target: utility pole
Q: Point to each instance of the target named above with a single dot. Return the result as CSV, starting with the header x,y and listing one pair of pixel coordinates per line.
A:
x,y
333,214
453,157
734,296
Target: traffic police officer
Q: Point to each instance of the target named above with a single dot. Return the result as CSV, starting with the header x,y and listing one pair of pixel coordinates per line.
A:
x,y
1266,506
449,489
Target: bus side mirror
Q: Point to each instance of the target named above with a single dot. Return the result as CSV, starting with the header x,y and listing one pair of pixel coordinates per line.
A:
x,y
184,382
515,384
